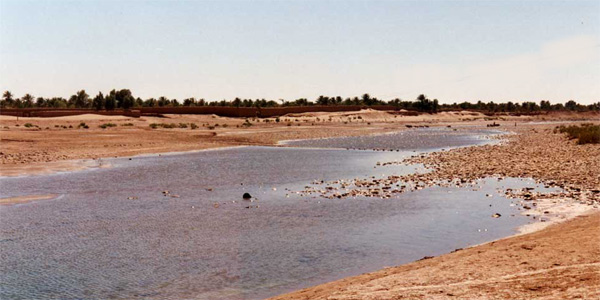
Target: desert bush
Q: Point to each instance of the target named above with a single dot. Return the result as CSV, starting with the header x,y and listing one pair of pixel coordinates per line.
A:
x,y
247,123
28,125
211,127
105,125
585,134
164,125
193,126
183,125
127,124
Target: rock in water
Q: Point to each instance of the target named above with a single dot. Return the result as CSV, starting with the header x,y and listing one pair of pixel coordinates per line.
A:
x,y
496,215
247,196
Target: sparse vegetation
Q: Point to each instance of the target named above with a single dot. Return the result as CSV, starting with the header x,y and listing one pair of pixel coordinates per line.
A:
x,y
164,125
105,125
127,124
83,125
28,125
193,126
585,134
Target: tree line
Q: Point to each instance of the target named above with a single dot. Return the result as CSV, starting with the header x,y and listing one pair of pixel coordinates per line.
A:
x,y
124,99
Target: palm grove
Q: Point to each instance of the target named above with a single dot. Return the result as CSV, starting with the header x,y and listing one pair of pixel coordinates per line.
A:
x,y
124,99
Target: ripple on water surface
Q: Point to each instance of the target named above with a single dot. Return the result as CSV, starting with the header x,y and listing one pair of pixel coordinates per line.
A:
x,y
113,233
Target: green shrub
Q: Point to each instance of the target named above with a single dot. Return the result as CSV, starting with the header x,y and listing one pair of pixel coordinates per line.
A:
x,y
28,125
247,123
585,134
193,126
183,125
127,124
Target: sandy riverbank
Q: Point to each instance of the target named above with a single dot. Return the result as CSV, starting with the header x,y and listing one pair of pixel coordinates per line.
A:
x,y
36,149
558,261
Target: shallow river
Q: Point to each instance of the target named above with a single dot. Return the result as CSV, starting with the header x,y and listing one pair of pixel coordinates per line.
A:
x,y
202,241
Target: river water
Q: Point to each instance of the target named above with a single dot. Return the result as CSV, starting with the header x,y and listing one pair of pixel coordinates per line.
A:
x,y
112,233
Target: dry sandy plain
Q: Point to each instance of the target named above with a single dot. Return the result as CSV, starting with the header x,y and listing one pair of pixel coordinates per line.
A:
x,y
559,259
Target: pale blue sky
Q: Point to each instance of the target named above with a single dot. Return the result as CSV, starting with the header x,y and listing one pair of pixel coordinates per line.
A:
x,y
453,51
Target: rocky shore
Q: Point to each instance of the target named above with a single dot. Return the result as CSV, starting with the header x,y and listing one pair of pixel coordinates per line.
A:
x,y
535,151
561,261
558,262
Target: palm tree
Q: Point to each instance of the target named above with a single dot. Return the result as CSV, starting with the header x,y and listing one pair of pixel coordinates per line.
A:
x,y
8,97
27,100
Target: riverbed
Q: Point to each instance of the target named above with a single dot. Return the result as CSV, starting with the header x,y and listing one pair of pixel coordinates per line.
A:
x,y
176,226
